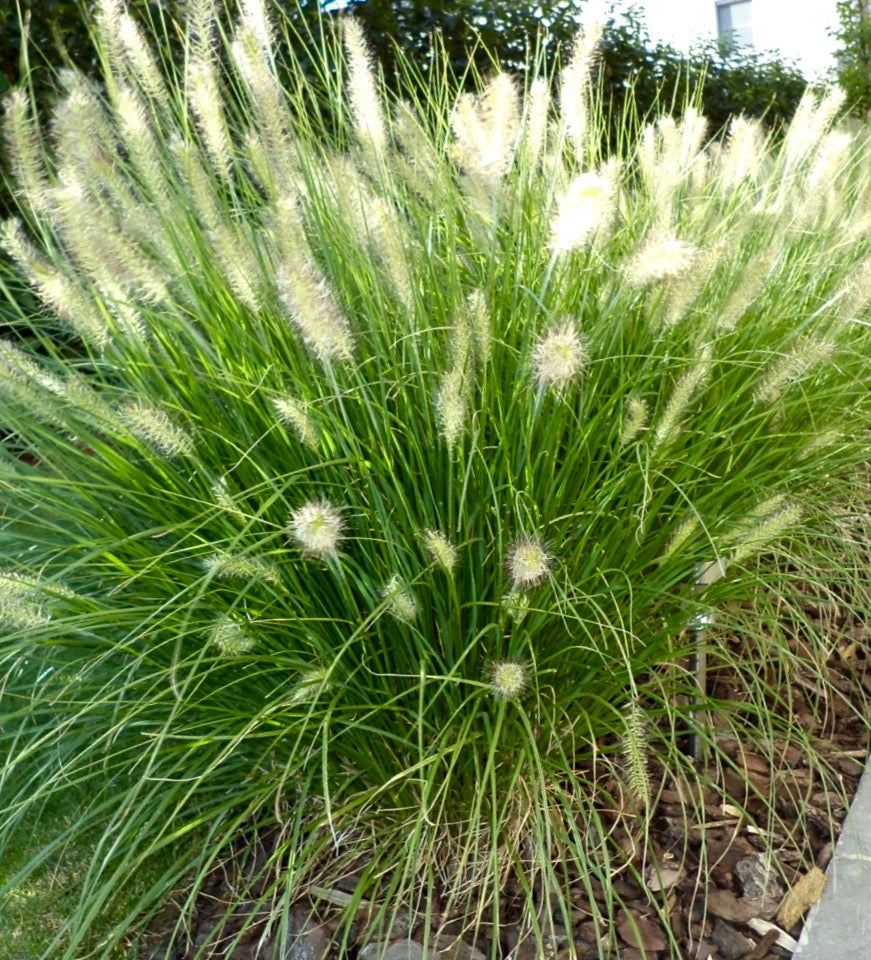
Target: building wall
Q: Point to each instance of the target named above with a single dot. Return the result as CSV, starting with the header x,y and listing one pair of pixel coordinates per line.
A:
x,y
798,29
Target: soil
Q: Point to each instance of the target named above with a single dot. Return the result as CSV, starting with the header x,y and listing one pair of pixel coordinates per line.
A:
x,y
725,899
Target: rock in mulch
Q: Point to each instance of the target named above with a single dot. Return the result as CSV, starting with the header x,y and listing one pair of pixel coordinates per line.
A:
x,y
760,884
306,939
731,944
641,932
441,947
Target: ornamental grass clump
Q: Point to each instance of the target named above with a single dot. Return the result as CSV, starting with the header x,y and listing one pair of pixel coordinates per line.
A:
x,y
361,464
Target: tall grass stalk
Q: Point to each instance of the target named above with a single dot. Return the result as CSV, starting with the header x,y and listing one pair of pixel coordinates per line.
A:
x,y
372,502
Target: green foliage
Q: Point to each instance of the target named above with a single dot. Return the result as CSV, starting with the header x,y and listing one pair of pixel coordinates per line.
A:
x,y
854,54
403,432
727,81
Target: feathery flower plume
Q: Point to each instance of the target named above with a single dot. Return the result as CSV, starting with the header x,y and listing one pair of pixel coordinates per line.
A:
x,y
486,128
27,381
684,532
635,417
230,637
452,396
317,528
156,429
15,364
635,754
255,19
363,92
559,357
535,121
309,686
99,244
141,61
294,413
683,291
108,16
23,600
586,206
528,563
228,566
139,139
575,83
25,154
830,161
240,264
400,601
57,291
451,406
752,539
809,124
199,186
418,160
668,155
268,146
393,244
742,157
682,395
224,500
748,289
481,323
201,87
660,258
791,367
508,679
440,549
310,303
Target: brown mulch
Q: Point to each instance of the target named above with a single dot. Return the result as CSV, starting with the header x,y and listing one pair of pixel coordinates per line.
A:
x,y
723,897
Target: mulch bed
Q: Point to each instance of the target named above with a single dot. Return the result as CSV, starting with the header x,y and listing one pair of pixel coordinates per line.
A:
x,y
723,899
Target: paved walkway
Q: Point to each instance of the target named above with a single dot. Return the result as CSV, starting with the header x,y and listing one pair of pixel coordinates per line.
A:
x,y
839,926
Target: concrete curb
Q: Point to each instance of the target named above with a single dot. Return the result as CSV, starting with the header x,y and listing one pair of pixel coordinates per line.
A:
x,y
838,927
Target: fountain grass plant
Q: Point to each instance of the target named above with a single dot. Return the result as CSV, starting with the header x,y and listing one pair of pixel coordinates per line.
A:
x,y
376,504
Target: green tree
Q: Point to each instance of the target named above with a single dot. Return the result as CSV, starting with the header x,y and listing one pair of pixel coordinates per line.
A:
x,y
854,54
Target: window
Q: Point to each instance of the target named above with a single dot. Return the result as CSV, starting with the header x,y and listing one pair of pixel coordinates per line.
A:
x,y
734,22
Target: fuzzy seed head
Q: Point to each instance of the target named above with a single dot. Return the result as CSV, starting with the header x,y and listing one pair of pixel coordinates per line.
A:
x,y
755,538
400,601
227,566
528,563
660,259
440,549
362,90
744,152
311,305
224,499
586,205
635,419
156,429
482,325
684,392
451,407
508,679
559,357
635,753
309,686
230,637
317,528
293,413
21,606
486,128
682,535
790,367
